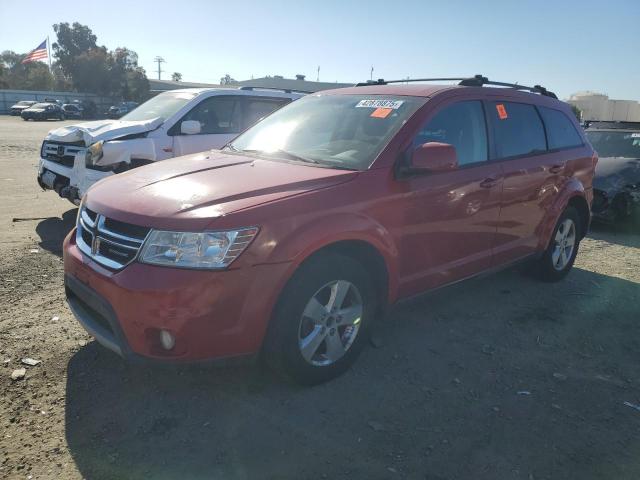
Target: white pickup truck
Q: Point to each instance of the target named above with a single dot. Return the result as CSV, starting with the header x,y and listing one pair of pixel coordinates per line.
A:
x,y
172,124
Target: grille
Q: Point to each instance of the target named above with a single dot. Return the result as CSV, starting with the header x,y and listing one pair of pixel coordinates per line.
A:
x,y
109,242
62,153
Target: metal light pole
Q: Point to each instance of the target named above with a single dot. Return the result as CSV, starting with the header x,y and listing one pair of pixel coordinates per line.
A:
x,y
160,61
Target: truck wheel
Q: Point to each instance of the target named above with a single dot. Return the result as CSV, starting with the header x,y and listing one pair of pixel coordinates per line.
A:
x,y
559,256
322,320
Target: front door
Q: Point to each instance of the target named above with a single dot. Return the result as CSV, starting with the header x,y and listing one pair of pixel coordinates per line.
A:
x,y
220,120
449,218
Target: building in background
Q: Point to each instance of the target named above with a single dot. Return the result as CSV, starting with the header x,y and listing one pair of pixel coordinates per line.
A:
x,y
298,84
598,106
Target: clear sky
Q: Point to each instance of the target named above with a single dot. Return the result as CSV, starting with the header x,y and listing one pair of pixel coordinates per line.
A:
x,y
565,45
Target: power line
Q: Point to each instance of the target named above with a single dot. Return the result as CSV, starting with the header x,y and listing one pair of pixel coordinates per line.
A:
x,y
160,61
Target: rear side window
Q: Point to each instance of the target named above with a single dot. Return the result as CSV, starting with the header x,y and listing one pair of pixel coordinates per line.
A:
x,y
261,107
461,125
560,130
518,129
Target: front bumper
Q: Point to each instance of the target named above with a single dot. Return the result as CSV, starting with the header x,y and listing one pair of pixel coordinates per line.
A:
x,y
78,177
212,314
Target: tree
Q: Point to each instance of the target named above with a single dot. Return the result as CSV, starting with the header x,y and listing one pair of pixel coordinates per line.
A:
x,y
226,80
577,112
72,42
27,76
92,68
176,77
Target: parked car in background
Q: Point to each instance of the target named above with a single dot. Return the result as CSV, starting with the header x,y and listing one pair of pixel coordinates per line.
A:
x,y
171,124
117,111
43,111
72,110
616,186
17,109
292,239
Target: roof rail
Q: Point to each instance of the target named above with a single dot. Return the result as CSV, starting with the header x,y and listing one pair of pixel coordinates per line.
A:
x,y
475,81
285,90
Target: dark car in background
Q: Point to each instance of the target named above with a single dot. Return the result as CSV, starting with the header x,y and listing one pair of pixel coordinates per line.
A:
x,y
43,111
616,186
17,109
73,110
117,111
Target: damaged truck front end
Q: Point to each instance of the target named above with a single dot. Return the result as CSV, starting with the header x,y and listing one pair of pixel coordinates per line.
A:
x,y
74,158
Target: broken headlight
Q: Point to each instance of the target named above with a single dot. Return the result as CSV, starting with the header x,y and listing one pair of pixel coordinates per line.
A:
x,y
94,153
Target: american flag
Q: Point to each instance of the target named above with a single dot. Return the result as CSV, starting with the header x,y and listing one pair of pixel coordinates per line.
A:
x,y
39,53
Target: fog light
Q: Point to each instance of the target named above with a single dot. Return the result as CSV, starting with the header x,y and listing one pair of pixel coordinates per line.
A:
x,y
167,340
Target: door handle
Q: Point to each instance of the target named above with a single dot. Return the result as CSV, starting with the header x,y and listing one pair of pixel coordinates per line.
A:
x,y
556,168
488,182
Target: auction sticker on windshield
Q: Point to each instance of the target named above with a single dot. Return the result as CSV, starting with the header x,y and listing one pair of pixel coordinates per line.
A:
x,y
392,104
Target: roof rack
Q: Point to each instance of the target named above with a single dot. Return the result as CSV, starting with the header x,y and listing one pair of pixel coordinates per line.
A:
x,y
285,90
475,81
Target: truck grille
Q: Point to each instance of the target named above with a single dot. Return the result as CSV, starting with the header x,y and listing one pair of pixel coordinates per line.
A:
x,y
109,242
62,153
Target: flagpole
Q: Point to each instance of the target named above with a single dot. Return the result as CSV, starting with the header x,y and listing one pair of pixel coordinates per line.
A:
x,y
49,54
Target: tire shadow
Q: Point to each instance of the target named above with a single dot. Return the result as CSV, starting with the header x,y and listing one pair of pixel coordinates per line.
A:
x,y
53,230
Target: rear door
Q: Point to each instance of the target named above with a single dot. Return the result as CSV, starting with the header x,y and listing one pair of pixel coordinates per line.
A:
x,y
256,108
221,119
449,218
531,176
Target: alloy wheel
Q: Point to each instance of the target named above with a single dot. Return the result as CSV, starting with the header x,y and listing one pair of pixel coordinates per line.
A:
x,y
330,323
564,244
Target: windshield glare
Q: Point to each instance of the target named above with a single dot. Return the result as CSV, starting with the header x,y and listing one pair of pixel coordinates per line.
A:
x,y
347,131
162,106
615,143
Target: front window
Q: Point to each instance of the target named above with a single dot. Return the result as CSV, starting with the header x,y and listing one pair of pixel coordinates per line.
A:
x,y
341,131
615,143
162,106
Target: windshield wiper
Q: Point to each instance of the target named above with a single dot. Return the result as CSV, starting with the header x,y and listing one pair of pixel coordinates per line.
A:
x,y
278,152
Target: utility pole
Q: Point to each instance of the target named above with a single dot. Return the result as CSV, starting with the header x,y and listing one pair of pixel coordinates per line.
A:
x,y
371,72
318,77
160,61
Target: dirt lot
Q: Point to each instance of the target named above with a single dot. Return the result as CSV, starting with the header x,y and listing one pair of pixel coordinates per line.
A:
x,y
498,378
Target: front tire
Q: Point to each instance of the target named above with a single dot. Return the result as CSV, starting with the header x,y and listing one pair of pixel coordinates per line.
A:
x,y
560,255
322,320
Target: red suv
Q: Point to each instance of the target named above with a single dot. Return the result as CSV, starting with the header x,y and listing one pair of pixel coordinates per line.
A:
x,y
292,240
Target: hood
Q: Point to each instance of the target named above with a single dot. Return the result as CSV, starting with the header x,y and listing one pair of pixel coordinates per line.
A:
x,y
616,173
91,132
20,106
190,192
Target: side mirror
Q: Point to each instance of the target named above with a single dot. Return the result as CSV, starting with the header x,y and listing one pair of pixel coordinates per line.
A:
x,y
190,127
434,157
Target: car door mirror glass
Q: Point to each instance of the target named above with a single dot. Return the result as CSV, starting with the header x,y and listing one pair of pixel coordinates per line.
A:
x,y
190,127
434,157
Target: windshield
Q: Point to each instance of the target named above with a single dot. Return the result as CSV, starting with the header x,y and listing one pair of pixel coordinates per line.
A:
x,y
163,106
342,131
615,143
25,102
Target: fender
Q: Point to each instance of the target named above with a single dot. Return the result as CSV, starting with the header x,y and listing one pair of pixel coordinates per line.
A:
x,y
572,188
313,236
119,151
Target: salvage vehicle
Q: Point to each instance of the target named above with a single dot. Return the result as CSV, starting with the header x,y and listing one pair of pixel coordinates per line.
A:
x,y
292,240
117,111
616,186
17,109
43,111
171,124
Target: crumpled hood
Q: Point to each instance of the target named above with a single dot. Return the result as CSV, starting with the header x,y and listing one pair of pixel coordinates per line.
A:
x,y
91,132
189,192
616,173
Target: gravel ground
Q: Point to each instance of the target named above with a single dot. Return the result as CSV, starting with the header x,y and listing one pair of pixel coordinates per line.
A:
x,y
495,378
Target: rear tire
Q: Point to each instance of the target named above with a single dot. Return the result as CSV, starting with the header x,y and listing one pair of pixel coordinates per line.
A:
x,y
310,342
558,258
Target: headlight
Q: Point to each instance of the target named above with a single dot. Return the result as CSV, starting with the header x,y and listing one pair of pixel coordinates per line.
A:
x,y
94,153
196,250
